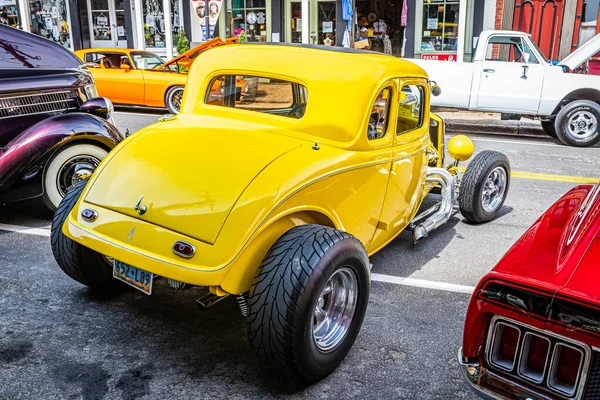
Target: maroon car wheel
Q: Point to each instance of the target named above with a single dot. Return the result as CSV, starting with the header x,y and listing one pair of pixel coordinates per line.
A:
x,y
67,167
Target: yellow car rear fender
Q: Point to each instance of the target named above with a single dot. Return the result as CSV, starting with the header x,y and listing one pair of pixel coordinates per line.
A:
x,y
243,270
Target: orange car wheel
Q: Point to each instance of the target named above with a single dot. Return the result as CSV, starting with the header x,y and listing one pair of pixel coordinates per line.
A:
x,y
173,99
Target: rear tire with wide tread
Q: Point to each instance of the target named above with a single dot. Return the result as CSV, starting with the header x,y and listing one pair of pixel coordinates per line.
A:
x,y
562,121
78,262
285,292
472,186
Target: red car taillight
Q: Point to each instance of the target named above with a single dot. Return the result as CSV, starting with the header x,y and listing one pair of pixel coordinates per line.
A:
x,y
506,343
564,372
534,357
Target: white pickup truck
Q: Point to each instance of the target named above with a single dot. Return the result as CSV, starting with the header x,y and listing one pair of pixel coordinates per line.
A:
x,y
509,74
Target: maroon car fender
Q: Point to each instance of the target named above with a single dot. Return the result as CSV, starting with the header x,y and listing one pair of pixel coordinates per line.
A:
x,y
22,160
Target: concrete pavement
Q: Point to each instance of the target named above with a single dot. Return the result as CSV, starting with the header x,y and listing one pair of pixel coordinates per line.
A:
x,y
59,340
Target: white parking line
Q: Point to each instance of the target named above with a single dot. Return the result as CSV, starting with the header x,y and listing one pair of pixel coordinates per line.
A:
x,y
445,286
25,229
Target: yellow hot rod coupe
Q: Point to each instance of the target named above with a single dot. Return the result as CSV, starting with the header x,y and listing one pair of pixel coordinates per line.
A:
x,y
278,200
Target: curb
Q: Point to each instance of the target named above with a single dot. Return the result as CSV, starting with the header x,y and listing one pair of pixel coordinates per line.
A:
x,y
493,127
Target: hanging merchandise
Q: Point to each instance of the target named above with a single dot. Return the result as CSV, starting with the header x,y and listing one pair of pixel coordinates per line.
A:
x,y
387,45
346,40
347,10
404,15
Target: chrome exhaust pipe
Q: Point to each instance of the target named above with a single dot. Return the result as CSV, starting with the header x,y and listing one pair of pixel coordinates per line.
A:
x,y
434,217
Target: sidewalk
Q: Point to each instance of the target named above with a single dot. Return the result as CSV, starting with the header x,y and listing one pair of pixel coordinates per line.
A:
x,y
489,124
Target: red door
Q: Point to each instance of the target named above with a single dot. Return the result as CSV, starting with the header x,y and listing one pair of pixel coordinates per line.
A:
x,y
543,19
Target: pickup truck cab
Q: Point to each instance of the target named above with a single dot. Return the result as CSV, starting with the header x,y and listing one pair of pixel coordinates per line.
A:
x,y
509,74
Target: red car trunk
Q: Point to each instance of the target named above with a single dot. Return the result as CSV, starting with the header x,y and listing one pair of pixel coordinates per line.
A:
x,y
548,279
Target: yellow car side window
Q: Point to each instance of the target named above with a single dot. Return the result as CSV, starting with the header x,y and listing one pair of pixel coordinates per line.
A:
x,y
378,120
410,108
272,96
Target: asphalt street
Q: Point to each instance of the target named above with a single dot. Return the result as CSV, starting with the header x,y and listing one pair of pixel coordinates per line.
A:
x,y
60,340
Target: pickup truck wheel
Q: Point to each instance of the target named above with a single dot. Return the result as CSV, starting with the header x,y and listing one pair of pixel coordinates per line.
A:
x,y
484,186
577,123
173,99
308,302
548,127
80,263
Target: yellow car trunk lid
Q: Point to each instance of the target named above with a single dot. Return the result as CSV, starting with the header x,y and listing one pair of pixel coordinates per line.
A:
x,y
187,181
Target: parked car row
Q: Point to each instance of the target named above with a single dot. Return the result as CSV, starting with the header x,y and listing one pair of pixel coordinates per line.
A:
x,y
280,198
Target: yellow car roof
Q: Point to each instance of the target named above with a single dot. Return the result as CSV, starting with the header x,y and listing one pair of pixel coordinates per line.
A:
x,y
341,84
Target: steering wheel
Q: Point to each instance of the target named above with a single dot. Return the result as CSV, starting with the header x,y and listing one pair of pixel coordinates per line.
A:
x,y
297,111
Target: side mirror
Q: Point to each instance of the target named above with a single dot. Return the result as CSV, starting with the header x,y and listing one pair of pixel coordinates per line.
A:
x,y
98,106
435,89
125,67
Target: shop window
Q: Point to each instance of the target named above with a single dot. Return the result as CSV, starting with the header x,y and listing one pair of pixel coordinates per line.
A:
x,y
509,49
440,26
272,96
49,19
378,120
9,14
154,23
410,110
247,20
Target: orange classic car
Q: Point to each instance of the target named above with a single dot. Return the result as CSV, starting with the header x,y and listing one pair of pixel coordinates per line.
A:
x,y
142,78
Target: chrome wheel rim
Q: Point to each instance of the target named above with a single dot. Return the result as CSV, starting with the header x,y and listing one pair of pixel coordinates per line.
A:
x,y
582,124
74,170
176,98
335,309
493,189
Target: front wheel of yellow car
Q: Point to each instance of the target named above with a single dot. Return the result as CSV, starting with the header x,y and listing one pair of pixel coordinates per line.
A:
x,y
308,302
78,262
173,99
484,186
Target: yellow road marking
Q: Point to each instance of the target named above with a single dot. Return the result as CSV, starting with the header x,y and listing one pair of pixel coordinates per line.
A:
x,y
548,177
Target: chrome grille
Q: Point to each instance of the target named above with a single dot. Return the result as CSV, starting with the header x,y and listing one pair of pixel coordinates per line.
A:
x,y
38,103
549,346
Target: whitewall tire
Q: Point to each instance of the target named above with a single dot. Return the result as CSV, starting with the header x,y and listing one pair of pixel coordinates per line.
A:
x,y
69,165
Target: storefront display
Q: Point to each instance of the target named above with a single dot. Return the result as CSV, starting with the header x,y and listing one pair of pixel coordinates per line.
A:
x,y
9,14
154,24
439,29
247,19
383,25
49,19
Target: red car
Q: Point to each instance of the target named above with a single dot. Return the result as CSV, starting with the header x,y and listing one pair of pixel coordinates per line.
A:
x,y
532,329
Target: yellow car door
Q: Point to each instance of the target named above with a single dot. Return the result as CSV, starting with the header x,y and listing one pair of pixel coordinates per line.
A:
x,y
406,184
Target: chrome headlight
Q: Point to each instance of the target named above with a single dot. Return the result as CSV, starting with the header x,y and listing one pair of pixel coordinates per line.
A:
x,y
90,91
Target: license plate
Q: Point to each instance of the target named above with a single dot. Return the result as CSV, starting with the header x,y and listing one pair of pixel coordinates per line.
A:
x,y
138,278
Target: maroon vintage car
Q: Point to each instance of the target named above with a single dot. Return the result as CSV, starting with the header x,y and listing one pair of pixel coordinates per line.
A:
x,y
54,130
533,325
